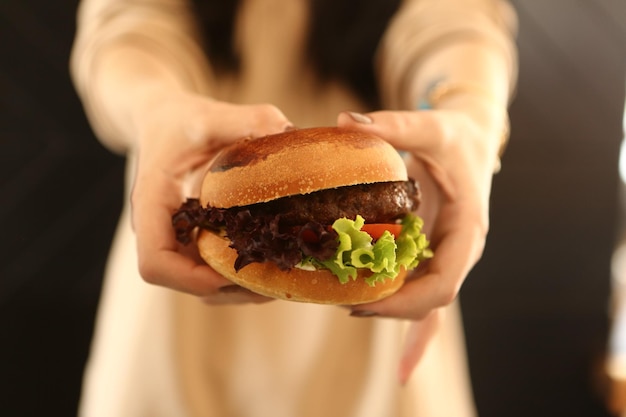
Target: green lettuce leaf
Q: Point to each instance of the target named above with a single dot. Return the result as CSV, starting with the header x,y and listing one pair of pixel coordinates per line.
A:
x,y
384,258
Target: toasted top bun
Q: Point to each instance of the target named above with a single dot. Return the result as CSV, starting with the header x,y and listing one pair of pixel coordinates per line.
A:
x,y
321,287
298,161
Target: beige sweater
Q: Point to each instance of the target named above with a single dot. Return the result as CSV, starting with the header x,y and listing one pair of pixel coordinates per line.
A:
x,y
160,353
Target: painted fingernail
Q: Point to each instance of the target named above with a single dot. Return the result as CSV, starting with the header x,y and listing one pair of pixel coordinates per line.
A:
x,y
363,313
360,118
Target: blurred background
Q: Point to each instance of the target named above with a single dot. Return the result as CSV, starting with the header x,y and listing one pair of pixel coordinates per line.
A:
x,y
536,308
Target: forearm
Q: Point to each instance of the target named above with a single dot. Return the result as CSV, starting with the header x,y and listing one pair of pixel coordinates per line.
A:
x,y
126,55
452,54
470,77
127,83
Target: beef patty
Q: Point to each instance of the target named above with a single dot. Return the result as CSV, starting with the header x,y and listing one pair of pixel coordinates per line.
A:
x,y
382,202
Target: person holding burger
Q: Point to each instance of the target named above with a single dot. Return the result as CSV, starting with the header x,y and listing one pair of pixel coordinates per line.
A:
x,y
172,84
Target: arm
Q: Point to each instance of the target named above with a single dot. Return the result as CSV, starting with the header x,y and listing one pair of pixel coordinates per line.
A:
x,y
466,45
458,57
145,83
124,49
453,54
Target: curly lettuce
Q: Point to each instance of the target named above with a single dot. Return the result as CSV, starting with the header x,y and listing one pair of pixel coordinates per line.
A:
x,y
384,257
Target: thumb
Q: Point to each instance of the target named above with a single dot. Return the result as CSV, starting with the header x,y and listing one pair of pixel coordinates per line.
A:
x,y
420,333
223,122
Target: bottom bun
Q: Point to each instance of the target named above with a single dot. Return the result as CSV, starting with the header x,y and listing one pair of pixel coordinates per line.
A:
x,y
321,287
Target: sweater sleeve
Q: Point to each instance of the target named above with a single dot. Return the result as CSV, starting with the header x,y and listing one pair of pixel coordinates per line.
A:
x,y
422,26
163,28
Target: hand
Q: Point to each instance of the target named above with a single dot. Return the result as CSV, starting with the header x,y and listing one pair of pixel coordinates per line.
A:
x,y
177,138
452,158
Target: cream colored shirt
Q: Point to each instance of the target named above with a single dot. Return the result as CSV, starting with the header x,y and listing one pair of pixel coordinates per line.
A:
x,y
161,353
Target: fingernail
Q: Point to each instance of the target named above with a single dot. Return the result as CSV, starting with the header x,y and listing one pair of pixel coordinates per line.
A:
x,y
363,313
360,118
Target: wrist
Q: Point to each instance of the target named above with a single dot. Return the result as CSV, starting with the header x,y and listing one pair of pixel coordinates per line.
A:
x,y
479,104
131,85
149,104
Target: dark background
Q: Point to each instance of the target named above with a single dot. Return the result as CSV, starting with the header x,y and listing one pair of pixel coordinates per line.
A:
x,y
535,306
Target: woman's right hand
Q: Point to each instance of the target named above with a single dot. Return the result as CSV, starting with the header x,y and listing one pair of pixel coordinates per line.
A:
x,y
178,136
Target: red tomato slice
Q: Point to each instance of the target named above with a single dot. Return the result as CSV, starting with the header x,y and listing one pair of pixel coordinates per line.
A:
x,y
376,230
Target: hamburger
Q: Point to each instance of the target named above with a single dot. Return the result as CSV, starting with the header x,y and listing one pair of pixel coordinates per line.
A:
x,y
321,215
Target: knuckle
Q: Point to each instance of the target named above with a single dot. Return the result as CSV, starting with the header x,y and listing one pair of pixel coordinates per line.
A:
x,y
481,232
148,272
437,133
268,109
267,112
420,315
267,119
447,296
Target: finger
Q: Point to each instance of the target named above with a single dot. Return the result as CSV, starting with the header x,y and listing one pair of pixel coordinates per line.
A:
x,y
153,200
423,133
458,246
234,294
162,264
420,333
161,260
406,130
445,141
